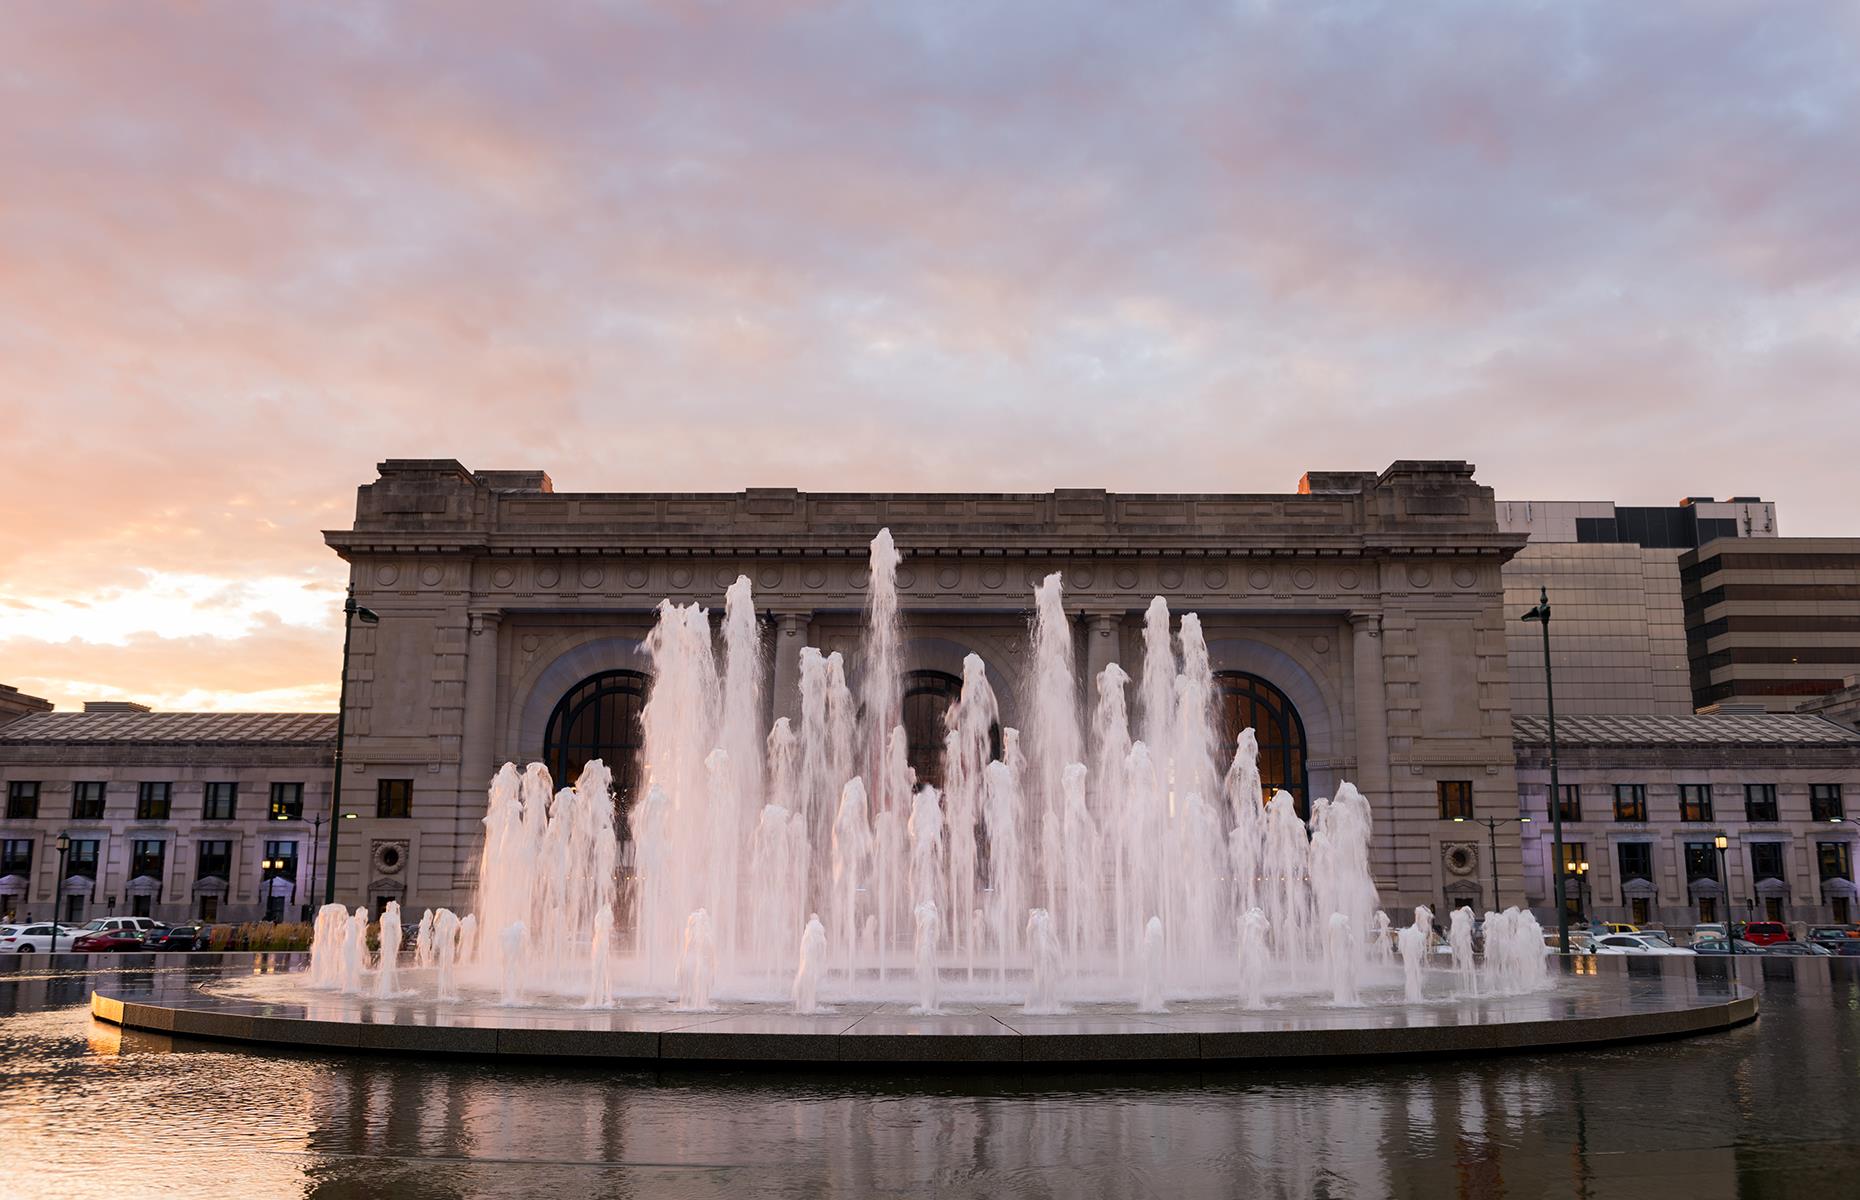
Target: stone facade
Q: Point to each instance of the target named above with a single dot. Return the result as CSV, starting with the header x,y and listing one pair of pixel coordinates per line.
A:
x,y
100,777
1726,753
1373,601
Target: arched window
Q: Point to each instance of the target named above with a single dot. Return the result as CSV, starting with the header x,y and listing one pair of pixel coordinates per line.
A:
x,y
1247,701
928,697
599,718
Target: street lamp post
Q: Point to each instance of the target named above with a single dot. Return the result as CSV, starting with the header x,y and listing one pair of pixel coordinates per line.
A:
x,y
1542,614
1582,889
63,843
1724,879
1491,828
316,835
351,612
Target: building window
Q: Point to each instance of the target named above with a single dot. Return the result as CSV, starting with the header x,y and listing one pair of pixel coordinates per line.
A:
x,y
1824,802
287,801
600,718
1695,801
928,697
1455,799
283,856
1835,859
1636,859
83,859
16,857
1701,861
222,800
87,801
1246,701
1708,910
393,797
1572,802
215,860
22,800
152,801
146,856
1630,802
1574,855
1759,802
209,908
1766,860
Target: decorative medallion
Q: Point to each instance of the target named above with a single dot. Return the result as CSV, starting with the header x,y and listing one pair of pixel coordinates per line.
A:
x,y
502,577
949,577
723,577
1419,576
1321,644
906,577
635,577
1464,576
1304,578
1126,577
993,577
1259,579
431,576
531,643
681,577
1215,577
1348,578
386,574
769,577
390,857
857,578
1460,858
1081,579
1171,577
593,576
548,577
814,577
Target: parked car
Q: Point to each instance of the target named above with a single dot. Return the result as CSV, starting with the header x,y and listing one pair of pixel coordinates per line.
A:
x,y
102,941
132,924
1799,949
1765,933
1833,934
1710,929
1579,943
1635,943
1717,945
1621,927
30,939
180,937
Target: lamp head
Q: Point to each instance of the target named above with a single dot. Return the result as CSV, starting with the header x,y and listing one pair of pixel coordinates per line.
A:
x,y
1721,841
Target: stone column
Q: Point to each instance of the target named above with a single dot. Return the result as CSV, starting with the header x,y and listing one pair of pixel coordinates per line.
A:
x,y
1372,724
1101,650
791,630
476,757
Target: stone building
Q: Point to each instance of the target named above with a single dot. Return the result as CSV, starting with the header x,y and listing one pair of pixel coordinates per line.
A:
x,y
1359,623
1644,799
215,816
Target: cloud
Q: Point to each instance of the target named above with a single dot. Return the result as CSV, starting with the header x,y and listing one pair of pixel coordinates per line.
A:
x,y
249,250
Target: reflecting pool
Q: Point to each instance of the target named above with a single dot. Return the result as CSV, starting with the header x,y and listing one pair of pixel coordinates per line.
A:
x,y
1771,1109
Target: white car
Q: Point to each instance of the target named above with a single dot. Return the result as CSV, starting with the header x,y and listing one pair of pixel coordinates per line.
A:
x,y
30,939
1638,943
132,924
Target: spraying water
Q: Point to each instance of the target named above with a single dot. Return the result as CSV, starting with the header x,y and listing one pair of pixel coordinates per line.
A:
x,y
928,933
813,964
1092,866
388,962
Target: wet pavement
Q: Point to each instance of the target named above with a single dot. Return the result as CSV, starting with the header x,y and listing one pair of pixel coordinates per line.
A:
x,y
1771,1109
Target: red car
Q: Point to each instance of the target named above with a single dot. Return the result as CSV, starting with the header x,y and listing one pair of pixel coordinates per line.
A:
x,y
1766,933
105,940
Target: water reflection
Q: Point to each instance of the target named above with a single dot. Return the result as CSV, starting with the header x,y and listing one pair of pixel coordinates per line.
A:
x,y
1770,1109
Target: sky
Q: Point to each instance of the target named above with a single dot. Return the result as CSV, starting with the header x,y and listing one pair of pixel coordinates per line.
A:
x,y
248,250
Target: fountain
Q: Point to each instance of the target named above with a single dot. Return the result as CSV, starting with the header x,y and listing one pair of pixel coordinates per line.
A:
x,y
1116,858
